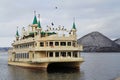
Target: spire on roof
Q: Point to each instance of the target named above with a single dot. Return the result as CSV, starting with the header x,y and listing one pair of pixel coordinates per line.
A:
x,y
35,18
17,34
74,27
39,25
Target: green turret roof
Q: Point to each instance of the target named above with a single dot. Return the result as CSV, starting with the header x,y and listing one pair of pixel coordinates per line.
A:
x,y
73,26
17,34
39,25
35,20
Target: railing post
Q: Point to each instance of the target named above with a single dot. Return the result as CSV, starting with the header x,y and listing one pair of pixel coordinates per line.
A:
x,y
78,55
71,54
54,54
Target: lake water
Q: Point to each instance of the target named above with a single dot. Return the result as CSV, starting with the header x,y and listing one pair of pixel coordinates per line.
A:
x,y
97,66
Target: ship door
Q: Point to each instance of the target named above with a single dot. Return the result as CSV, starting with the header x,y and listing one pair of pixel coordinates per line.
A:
x,y
31,55
13,56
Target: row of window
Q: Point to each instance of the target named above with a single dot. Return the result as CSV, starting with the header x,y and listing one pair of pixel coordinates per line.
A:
x,y
22,55
24,45
42,44
57,44
63,54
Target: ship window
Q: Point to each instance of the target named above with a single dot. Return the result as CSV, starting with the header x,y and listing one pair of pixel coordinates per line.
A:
x,y
69,43
69,54
56,43
41,44
79,54
24,55
51,54
51,43
63,54
74,44
63,43
17,56
75,54
21,55
56,54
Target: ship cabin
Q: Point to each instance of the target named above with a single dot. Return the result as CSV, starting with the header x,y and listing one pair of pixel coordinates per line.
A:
x,y
37,45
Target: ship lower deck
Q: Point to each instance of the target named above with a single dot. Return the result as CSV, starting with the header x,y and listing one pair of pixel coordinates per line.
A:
x,y
46,59
47,65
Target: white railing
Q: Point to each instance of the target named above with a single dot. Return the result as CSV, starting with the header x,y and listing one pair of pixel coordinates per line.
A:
x,y
53,48
58,59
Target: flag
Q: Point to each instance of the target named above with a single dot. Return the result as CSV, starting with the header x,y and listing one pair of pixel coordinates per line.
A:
x,y
52,24
39,16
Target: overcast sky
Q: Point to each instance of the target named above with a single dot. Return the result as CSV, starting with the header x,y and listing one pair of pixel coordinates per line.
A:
x,y
90,15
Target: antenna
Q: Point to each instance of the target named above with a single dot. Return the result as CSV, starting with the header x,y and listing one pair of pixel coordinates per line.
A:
x,y
34,13
39,17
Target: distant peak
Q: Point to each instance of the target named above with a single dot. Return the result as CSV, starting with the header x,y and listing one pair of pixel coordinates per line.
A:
x,y
95,32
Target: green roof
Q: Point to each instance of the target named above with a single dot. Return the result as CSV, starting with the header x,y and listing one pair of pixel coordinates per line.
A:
x,y
35,20
17,34
39,25
43,33
74,25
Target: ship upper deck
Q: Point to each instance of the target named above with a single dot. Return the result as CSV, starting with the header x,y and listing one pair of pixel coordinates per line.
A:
x,y
54,37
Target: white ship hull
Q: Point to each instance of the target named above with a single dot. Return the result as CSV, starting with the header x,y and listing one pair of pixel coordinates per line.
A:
x,y
75,65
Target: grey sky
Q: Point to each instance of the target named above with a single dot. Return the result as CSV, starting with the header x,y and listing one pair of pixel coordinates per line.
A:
x,y
90,15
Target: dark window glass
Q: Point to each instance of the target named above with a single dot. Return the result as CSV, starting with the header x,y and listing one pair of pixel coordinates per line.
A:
x,y
51,43
27,55
63,54
75,54
56,43
69,43
74,44
63,43
56,54
41,44
51,54
69,54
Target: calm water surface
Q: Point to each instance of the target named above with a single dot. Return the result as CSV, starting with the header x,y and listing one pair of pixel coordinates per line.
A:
x,y
101,66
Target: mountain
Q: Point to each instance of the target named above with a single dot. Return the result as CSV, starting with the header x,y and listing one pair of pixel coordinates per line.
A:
x,y
4,49
117,41
97,42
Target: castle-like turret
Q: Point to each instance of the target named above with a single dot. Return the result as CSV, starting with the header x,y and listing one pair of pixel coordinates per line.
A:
x,y
39,28
35,23
73,31
17,35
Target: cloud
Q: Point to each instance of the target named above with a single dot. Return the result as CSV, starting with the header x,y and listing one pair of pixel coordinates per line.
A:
x,y
6,41
90,15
